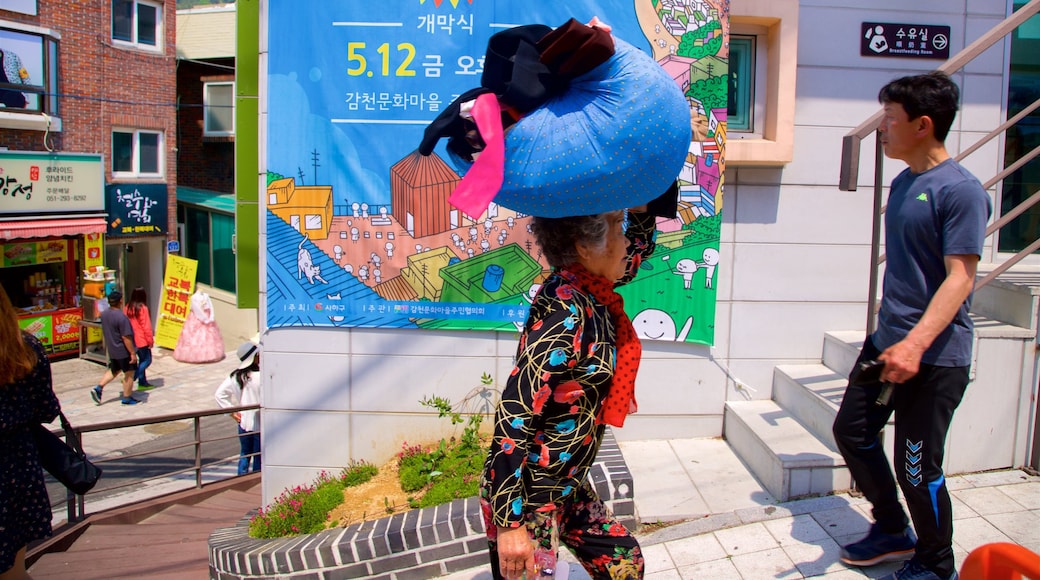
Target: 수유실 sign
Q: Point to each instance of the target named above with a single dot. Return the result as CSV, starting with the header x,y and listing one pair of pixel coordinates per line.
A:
x,y
904,40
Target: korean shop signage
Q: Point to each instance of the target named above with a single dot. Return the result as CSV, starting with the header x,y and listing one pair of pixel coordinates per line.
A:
x,y
136,209
45,183
904,40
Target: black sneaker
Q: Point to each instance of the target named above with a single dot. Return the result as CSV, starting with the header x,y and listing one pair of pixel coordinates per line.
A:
x,y
879,547
95,394
914,570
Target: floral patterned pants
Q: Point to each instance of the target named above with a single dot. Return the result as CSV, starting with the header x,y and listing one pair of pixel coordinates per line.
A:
x,y
603,546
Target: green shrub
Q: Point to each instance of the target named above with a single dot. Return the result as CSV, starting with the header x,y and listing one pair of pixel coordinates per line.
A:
x,y
452,469
304,508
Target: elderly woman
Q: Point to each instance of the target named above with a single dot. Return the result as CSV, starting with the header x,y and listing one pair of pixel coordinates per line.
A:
x,y
575,373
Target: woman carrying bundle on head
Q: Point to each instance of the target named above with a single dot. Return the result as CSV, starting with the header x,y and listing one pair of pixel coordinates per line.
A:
x,y
575,373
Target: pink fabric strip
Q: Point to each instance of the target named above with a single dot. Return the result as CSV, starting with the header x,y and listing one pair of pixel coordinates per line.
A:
x,y
483,180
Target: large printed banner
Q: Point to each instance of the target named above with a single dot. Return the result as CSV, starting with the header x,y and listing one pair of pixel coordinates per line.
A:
x,y
359,230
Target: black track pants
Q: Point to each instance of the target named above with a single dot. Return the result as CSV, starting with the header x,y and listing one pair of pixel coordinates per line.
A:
x,y
923,408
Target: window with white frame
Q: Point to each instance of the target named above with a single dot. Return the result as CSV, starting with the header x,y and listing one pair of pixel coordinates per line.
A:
x,y
137,153
138,23
218,103
764,92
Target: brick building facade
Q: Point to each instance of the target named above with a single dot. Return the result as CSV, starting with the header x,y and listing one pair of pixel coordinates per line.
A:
x,y
208,161
103,76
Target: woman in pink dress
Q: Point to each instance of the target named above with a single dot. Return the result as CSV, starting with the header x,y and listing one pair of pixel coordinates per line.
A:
x,y
200,340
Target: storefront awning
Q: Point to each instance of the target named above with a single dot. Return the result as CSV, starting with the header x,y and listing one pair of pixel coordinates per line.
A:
x,y
57,227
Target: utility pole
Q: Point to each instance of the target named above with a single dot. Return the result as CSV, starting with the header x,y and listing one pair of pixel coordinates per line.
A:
x,y
314,159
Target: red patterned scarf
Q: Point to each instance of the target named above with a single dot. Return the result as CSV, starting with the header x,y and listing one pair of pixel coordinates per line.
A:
x,y
621,400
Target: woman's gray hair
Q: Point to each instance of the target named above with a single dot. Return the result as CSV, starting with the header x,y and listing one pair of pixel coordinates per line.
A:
x,y
559,237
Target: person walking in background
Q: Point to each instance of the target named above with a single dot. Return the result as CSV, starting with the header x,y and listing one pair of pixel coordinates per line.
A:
x,y
242,388
144,338
122,354
26,399
935,226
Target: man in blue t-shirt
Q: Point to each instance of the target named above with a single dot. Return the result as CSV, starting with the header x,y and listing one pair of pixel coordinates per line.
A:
x,y
935,226
122,353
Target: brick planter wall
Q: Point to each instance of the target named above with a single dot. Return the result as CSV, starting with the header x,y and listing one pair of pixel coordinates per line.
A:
x,y
417,544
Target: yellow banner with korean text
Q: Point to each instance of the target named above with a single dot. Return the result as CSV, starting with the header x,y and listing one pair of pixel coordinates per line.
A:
x,y
178,285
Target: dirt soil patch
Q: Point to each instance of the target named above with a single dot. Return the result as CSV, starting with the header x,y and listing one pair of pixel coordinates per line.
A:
x,y
378,497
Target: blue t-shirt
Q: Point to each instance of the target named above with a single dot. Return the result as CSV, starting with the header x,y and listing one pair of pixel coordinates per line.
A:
x,y
938,213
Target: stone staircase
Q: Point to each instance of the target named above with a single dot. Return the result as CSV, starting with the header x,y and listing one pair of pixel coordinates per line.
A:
x,y
786,440
162,538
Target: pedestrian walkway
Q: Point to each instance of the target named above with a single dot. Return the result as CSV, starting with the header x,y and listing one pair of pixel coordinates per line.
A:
x,y
729,527
180,388
705,516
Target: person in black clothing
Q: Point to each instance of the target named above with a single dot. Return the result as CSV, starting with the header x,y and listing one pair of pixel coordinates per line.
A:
x,y
26,398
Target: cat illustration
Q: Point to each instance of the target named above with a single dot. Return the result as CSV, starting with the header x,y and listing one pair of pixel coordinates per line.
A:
x,y
306,267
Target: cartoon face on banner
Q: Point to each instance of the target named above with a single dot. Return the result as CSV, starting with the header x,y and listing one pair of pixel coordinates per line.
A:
x,y
359,229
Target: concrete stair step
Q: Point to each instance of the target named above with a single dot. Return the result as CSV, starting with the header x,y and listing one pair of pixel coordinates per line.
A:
x,y
1013,298
841,349
812,393
785,456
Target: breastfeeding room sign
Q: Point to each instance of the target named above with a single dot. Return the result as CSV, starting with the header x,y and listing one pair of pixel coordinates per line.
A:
x,y
904,40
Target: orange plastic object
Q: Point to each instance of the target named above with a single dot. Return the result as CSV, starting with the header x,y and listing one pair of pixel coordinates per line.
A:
x,y
1001,561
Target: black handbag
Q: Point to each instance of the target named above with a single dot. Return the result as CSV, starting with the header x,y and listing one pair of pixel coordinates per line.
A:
x,y
66,461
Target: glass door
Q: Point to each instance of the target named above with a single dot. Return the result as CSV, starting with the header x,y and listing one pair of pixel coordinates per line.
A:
x,y
1023,89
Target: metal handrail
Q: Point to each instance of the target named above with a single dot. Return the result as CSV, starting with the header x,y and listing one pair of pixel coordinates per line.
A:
x,y
850,155
75,503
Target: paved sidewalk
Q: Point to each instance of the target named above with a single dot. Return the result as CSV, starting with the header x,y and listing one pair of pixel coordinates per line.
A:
x,y
727,526
180,387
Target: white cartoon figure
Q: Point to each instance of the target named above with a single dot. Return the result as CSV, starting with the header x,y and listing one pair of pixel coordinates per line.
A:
x,y
686,268
355,207
354,234
473,234
710,260
876,36
654,324
527,299
510,222
363,273
484,246
306,267
364,211
338,251
487,226
378,275
389,249
348,269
